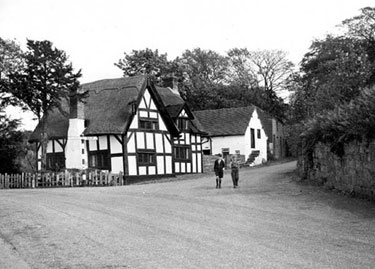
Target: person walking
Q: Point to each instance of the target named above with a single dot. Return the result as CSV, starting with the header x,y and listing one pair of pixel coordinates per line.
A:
x,y
235,166
219,168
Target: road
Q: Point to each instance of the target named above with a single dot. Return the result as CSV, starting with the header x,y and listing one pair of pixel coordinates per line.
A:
x,y
270,221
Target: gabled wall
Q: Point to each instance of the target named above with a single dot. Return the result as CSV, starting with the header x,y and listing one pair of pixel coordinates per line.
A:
x,y
190,144
143,144
242,143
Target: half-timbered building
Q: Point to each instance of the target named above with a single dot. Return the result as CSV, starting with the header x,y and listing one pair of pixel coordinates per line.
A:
x,y
124,125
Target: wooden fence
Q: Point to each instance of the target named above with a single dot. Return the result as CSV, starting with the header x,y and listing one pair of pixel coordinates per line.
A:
x,y
62,179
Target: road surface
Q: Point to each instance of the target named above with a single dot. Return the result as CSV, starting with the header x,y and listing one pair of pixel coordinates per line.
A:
x,y
270,221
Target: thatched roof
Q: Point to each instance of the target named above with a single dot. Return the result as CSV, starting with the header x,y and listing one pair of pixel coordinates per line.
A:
x,y
56,124
107,108
231,121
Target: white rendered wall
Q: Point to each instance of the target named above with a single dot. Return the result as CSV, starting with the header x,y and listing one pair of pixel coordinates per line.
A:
x,y
236,142
74,146
242,142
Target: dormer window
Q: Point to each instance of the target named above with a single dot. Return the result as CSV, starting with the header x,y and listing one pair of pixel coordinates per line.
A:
x,y
183,124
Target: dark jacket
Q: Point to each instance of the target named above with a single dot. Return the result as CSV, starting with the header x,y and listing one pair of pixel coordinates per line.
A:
x,y
219,167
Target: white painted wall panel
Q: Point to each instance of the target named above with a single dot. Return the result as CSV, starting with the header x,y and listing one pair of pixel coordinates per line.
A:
x,y
58,147
168,147
194,162
153,115
152,106
143,114
152,170
199,163
140,140
183,167
147,96
162,125
177,167
188,168
150,141
93,145
134,124
159,143
117,165
115,146
168,162
103,143
142,170
132,165
187,138
142,104
160,163
49,146
131,143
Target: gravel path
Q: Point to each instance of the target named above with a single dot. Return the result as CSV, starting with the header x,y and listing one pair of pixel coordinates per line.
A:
x,y
270,221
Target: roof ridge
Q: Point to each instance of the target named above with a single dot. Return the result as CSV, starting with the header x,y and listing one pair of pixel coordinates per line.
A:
x,y
113,79
227,108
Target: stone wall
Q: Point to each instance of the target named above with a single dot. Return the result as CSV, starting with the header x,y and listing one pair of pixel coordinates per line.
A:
x,y
354,173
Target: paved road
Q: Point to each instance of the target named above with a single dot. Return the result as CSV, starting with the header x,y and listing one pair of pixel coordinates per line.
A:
x,y
269,222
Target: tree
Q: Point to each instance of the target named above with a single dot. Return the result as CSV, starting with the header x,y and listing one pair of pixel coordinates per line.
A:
x,y
272,68
334,70
204,71
145,62
46,79
11,58
240,68
361,26
10,144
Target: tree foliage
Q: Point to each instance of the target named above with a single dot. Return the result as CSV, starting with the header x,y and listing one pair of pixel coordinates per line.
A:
x,y
45,80
334,93
11,58
10,144
209,80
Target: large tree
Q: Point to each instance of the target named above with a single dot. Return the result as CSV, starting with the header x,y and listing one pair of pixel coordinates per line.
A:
x,y
47,78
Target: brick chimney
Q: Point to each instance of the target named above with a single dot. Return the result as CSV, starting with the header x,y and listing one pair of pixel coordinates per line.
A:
x,y
76,108
75,151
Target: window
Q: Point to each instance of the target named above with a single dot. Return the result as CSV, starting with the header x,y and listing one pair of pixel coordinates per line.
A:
x,y
99,160
181,153
55,161
182,124
146,158
148,124
258,134
252,138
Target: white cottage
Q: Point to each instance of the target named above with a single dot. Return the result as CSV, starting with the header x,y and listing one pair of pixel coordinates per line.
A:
x,y
124,125
245,130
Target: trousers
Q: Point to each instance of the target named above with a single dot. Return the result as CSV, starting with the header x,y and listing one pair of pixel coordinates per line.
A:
x,y
235,176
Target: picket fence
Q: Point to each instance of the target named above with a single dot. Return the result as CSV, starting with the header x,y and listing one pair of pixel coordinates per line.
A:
x,y
62,179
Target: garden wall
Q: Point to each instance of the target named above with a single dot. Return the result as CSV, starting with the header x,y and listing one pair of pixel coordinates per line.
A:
x,y
354,173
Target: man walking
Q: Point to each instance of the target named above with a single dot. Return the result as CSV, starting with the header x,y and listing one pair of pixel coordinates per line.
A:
x,y
234,165
219,168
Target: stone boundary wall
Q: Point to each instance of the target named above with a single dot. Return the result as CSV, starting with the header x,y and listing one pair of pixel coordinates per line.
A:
x,y
354,173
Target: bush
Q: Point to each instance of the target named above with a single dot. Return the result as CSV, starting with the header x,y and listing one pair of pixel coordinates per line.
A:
x,y
353,121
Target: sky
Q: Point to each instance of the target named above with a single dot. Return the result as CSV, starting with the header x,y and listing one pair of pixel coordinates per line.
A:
x,y
96,33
